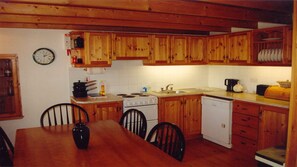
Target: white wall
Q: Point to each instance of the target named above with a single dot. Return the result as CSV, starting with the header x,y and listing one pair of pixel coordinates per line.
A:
x,y
42,86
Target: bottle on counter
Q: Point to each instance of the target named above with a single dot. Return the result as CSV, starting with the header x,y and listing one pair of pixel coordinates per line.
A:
x,y
10,91
7,70
102,88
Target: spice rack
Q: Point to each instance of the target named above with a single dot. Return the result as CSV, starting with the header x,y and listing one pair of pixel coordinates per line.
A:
x,y
271,46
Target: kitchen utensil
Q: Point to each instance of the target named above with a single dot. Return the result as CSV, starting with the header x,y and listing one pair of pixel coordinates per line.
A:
x,y
230,83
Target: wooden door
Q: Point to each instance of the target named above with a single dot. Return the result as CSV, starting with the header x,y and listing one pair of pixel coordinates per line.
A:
x,y
171,110
216,49
160,51
239,48
196,50
192,115
178,49
273,127
109,110
99,50
131,46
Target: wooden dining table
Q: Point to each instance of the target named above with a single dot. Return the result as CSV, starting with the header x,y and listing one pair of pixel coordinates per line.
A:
x,y
109,145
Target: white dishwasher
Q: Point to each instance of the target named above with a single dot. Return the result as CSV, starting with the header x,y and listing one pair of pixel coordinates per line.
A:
x,y
217,120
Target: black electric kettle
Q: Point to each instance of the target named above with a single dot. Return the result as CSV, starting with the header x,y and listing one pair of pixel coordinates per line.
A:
x,y
230,83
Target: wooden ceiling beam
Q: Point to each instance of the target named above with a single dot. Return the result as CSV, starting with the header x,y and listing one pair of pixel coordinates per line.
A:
x,y
106,22
56,10
99,28
273,5
197,8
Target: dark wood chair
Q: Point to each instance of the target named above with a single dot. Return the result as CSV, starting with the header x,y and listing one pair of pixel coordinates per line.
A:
x,y
135,121
63,113
5,153
169,138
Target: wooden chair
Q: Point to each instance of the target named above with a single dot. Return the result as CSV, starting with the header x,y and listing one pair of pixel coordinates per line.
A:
x,y
63,113
169,138
5,153
135,121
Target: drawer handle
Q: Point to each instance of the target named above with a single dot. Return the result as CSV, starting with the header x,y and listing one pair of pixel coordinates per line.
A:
x,y
243,143
244,120
242,131
244,108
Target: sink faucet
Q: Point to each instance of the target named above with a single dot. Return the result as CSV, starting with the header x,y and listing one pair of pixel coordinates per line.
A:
x,y
167,86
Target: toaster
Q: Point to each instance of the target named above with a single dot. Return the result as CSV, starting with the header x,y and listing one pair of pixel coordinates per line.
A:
x,y
261,89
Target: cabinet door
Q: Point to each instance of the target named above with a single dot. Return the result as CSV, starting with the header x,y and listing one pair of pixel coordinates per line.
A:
x,y
10,96
171,110
178,49
99,50
273,127
239,48
131,46
216,49
196,50
160,50
110,110
192,115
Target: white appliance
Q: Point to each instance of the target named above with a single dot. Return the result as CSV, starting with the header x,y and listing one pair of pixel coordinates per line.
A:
x,y
147,104
217,120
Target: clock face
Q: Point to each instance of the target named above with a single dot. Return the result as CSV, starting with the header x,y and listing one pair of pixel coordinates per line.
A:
x,y
43,56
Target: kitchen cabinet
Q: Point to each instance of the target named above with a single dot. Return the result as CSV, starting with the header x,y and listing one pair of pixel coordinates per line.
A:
x,y
273,127
239,48
184,111
10,96
177,50
272,46
229,49
256,126
131,46
245,124
216,49
103,110
94,52
160,49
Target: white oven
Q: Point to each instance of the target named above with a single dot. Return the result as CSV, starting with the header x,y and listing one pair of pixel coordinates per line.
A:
x,y
147,104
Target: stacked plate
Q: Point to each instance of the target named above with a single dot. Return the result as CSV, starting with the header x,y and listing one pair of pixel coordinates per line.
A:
x,y
270,55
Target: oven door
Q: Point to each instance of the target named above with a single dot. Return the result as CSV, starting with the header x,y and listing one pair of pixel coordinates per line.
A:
x,y
150,112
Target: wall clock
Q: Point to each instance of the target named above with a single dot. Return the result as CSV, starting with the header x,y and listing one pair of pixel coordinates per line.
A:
x,y
43,56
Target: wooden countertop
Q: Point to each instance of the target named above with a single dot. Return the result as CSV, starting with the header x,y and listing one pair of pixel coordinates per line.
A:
x,y
249,97
104,99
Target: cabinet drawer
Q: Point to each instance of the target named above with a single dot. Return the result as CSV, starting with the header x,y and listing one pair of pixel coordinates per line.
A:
x,y
244,131
245,120
246,108
244,145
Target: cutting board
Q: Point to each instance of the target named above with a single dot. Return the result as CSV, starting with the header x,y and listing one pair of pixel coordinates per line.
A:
x,y
277,92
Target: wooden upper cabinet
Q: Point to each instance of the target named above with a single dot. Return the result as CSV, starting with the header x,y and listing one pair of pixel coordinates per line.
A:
x,y
216,49
99,49
178,49
238,48
94,49
272,46
131,46
196,50
160,51
10,94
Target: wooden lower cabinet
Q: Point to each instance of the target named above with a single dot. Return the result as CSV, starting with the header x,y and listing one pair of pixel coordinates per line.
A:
x,y
255,127
184,111
104,110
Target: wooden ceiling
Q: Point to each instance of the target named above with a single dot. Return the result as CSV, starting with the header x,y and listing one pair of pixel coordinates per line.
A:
x,y
163,16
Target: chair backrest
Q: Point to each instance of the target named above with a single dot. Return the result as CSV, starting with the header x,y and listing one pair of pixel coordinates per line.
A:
x,y
135,121
169,138
5,155
63,113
